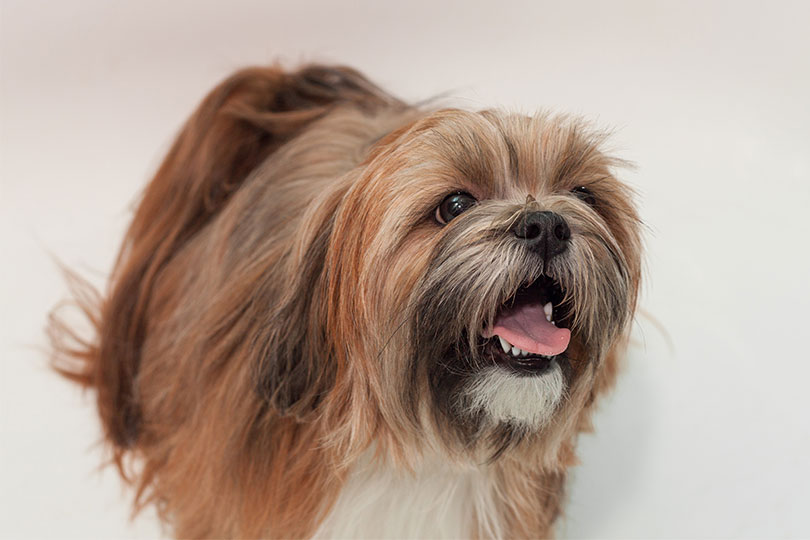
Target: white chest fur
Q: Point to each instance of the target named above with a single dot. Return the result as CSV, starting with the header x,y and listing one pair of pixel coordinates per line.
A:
x,y
437,500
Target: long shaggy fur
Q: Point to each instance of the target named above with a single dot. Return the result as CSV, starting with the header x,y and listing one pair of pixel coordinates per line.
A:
x,y
286,321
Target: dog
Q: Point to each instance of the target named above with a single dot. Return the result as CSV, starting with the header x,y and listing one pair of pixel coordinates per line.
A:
x,y
336,314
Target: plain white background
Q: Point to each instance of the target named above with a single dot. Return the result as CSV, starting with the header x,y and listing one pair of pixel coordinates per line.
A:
x,y
707,434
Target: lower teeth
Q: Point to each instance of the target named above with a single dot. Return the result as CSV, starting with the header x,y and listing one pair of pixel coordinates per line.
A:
x,y
516,353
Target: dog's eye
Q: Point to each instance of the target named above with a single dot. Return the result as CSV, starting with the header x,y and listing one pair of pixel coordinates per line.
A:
x,y
454,205
585,195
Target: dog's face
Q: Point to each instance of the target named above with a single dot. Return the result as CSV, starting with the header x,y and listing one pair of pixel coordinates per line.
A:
x,y
480,268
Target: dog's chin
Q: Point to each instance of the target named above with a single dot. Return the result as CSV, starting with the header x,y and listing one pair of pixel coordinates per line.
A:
x,y
506,397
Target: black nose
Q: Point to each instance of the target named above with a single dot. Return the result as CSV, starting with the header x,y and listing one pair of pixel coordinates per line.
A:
x,y
546,233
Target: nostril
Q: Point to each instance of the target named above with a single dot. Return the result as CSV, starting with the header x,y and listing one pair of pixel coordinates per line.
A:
x,y
532,231
562,232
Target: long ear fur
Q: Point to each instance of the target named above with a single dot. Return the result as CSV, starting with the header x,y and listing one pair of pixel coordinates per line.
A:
x,y
238,125
290,372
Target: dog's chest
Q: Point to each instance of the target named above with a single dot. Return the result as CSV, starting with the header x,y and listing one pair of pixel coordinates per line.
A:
x,y
434,501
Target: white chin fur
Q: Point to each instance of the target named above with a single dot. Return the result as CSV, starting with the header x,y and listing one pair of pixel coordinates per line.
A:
x,y
527,401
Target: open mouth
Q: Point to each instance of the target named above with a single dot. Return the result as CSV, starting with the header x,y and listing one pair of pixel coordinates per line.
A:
x,y
531,329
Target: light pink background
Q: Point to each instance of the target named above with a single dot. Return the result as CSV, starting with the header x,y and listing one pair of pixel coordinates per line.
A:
x,y
708,433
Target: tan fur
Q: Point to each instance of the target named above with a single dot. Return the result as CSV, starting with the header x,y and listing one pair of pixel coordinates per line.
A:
x,y
257,336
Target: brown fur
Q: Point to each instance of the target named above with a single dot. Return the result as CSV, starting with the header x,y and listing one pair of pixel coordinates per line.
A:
x,y
256,338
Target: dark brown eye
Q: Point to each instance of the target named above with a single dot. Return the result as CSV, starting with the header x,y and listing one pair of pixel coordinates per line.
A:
x,y
454,205
585,195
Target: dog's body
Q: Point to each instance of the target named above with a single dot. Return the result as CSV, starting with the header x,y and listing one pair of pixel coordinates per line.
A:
x,y
306,332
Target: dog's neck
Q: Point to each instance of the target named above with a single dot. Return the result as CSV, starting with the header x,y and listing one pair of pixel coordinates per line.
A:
x,y
436,499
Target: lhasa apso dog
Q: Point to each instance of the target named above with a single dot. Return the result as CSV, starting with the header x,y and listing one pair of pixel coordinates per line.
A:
x,y
338,315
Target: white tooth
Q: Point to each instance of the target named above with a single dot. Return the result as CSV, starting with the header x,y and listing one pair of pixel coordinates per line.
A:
x,y
548,309
515,351
505,345
524,353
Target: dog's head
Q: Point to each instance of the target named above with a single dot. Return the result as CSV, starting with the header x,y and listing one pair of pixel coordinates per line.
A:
x,y
468,278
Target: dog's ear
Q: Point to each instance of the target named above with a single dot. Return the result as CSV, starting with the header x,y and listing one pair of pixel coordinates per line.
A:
x,y
238,125
294,366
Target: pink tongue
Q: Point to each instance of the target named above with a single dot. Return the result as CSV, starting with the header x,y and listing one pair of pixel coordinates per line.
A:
x,y
527,328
